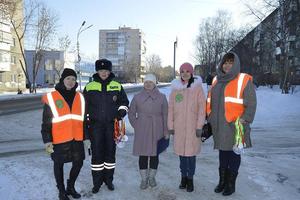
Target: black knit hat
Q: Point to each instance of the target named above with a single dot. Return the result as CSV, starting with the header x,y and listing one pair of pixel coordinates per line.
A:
x,y
103,64
68,72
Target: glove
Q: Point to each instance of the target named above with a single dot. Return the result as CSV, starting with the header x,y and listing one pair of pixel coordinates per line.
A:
x,y
171,132
121,114
87,144
198,132
206,132
49,147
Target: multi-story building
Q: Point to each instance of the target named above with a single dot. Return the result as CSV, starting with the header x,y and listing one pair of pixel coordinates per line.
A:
x,y
125,48
51,66
271,51
12,76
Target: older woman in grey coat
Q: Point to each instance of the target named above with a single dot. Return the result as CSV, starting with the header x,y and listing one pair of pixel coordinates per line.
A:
x,y
148,116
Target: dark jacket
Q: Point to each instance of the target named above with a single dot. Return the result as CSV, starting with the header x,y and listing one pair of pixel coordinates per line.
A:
x,y
103,98
68,151
223,132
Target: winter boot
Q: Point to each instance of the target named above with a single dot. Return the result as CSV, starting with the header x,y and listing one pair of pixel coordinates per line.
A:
x,y
95,189
110,185
190,185
230,183
144,182
152,181
222,177
63,196
183,182
71,189
62,193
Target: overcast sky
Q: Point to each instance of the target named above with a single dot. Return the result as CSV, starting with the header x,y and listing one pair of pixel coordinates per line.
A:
x,y
160,20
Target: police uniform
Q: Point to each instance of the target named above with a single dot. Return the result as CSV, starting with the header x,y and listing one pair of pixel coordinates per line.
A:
x,y
105,101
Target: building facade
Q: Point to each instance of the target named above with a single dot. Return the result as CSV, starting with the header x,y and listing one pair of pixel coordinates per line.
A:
x,y
125,48
51,66
12,77
271,51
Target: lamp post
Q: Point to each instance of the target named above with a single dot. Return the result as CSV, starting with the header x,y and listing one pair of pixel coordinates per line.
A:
x,y
175,46
81,29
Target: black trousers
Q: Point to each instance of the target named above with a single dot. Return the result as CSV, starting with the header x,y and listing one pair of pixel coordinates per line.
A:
x,y
229,160
144,162
59,173
103,152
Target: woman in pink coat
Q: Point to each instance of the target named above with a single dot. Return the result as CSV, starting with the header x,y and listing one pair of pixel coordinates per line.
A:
x,y
186,116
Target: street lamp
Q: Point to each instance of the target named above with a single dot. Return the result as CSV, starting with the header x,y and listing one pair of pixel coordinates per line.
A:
x,y
81,29
175,46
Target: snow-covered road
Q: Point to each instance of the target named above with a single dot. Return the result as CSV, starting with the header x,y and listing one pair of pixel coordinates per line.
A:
x,y
269,170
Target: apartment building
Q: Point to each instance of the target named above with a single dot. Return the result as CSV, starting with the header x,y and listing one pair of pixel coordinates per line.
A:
x,y
271,51
12,76
125,48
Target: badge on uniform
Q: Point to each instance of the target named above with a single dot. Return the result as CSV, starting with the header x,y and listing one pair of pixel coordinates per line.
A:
x,y
59,103
115,98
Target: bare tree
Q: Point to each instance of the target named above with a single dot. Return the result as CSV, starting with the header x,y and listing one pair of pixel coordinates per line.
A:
x,y
281,30
216,36
153,64
64,44
132,71
38,23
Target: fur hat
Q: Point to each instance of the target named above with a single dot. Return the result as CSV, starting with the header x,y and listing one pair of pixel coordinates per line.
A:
x,y
68,72
187,66
103,64
150,77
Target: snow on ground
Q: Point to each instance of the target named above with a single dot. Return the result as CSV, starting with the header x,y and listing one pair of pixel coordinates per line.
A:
x,y
269,170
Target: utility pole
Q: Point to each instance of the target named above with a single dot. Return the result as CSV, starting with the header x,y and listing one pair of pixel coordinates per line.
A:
x,y
175,46
78,54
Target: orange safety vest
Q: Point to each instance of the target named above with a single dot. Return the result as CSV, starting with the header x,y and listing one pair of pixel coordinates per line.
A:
x,y
67,124
233,97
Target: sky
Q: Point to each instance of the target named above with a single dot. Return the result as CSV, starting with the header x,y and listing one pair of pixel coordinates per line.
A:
x,y
160,20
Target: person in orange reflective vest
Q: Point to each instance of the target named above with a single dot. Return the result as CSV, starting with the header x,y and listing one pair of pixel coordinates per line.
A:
x,y
231,96
63,131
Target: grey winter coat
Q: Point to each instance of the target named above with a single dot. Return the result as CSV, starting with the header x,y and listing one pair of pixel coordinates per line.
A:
x,y
223,132
148,116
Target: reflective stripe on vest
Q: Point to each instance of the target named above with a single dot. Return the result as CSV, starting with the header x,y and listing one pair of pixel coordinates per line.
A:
x,y
233,97
57,118
67,124
96,86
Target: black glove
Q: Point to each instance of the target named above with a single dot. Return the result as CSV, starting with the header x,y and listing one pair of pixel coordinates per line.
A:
x,y
121,114
198,133
206,132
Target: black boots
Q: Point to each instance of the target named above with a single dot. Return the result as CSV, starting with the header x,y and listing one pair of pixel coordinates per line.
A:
x,y
183,182
95,189
71,190
110,185
190,185
230,183
62,192
222,174
187,184
63,195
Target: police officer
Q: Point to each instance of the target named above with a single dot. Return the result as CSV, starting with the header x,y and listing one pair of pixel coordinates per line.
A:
x,y
105,101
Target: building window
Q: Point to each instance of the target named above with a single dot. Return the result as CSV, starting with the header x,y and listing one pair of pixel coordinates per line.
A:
x,y
13,60
13,78
14,42
1,77
48,64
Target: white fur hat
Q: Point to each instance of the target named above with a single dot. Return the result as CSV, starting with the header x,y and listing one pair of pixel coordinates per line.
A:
x,y
150,77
